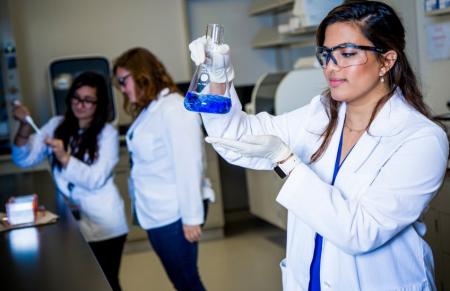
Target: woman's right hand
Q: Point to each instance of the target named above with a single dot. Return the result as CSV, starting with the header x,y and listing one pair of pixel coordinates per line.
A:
x,y
20,112
192,233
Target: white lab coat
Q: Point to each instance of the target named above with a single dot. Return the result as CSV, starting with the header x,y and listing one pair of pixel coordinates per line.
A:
x,y
101,207
370,218
168,164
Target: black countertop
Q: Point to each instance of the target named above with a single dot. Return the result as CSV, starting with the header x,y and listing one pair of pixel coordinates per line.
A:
x,y
50,257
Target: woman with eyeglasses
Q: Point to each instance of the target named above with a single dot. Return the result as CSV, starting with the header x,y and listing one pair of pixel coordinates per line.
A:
x,y
83,150
167,184
362,160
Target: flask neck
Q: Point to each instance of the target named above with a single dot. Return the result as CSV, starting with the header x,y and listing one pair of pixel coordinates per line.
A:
x,y
214,34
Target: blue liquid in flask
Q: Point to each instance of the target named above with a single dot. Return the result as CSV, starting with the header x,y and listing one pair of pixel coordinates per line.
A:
x,y
208,103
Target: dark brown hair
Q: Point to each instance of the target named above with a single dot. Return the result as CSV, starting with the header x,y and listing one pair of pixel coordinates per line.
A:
x,y
69,128
149,74
379,24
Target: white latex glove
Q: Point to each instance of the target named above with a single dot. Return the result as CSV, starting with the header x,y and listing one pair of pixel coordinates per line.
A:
x,y
255,146
218,56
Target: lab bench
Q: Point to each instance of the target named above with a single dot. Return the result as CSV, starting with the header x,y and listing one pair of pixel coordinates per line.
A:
x,y
50,257
215,222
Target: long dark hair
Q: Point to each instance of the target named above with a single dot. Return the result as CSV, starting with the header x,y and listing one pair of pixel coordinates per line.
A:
x,y
380,24
69,129
149,74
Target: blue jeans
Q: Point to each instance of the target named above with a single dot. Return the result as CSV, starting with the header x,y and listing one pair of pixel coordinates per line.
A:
x,y
178,256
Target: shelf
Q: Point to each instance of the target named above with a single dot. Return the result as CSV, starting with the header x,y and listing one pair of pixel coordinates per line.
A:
x,y
258,7
269,37
442,117
304,30
438,12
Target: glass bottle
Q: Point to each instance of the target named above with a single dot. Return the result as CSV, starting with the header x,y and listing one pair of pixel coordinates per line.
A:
x,y
209,88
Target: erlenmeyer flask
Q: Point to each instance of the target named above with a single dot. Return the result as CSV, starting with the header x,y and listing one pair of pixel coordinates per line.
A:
x,y
209,88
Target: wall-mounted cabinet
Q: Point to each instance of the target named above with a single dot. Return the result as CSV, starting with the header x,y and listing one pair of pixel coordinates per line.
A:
x,y
258,7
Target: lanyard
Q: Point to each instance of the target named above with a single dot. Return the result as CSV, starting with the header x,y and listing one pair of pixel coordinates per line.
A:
x,y
314,282
337,164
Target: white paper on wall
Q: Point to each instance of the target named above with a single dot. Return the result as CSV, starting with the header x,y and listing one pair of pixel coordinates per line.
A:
x,y
438,41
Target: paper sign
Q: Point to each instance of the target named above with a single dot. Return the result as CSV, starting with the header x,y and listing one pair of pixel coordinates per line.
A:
x,y
438,41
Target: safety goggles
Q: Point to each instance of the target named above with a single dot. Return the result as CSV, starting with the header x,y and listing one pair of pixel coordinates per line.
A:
x,y
345,55
122,81
75,100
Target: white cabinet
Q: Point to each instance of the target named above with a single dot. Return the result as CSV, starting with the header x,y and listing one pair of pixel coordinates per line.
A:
x,y
215,220
263,188
437,219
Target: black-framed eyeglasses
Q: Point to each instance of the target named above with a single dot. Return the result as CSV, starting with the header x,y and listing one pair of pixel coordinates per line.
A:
x,y
84,102
345,55
122,81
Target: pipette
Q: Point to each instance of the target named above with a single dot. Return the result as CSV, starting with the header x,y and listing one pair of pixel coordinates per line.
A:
x,y
28,119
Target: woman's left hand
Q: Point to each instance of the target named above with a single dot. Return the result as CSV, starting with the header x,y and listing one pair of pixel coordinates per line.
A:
x,y
57,147
255,146
192,232
221,70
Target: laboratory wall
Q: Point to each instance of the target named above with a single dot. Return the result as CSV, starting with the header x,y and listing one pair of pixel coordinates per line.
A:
x,y
434,73
408,15
49,29
240,28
